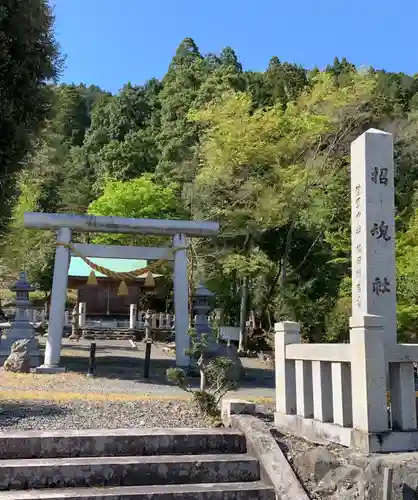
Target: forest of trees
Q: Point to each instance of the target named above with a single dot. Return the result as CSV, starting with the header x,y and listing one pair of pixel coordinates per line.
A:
x,y
264,153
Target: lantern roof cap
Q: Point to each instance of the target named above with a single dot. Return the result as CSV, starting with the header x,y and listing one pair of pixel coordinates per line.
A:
x,y
202,291
22,284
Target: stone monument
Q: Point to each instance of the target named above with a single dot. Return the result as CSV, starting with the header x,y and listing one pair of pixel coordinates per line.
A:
x,y
373,229
341,392
21,328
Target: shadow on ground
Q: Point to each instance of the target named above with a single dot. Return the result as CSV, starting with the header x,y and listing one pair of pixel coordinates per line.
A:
x,y
131,367
85,349
12,413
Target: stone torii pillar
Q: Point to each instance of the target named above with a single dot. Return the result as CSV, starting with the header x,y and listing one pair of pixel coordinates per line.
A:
x,y
57,309
181,300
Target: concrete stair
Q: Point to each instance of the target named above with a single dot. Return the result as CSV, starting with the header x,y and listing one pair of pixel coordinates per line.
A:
x,y
151,464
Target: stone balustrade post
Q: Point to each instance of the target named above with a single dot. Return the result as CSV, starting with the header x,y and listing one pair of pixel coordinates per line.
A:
x,y
304,388
154,321
287,332
133,313
322,391
141,319
368,374
342,398
82,314
403,399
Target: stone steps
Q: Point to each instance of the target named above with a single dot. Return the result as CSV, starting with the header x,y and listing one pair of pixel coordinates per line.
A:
x,y
126,471
207,491
120,442
123,464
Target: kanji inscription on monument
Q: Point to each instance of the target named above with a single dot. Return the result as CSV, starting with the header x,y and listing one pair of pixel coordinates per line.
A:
x,y
373,228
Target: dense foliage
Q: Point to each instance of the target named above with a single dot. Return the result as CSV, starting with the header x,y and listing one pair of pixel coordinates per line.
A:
x,y
28,59
265,153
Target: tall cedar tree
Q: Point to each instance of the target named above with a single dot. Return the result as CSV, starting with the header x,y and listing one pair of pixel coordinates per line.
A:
x,y
29,57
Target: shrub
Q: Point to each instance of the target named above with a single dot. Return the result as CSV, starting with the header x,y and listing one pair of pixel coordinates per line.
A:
x,y
214,376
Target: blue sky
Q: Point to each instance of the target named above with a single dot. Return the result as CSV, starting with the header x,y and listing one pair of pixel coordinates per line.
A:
x,y
111,42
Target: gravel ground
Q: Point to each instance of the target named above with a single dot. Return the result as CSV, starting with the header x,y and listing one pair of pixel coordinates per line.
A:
x,y
119,370
118,397
44,415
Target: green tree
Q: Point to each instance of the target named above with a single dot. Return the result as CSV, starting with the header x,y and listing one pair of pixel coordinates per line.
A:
x,y
284,81
229,58
28,250
29,58
272,173
121,140
137,198
51,182
181,84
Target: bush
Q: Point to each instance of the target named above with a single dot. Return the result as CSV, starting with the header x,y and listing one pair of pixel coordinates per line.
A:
x,y
214,379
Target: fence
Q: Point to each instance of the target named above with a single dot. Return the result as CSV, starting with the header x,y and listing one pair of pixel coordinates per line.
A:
x,y
159,321
33,315
342,392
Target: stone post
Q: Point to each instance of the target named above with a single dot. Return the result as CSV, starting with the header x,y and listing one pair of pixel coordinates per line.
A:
x,y
181,300
342,397
403,399
147,326
141,319
154,321
66,318
322,391
58,298
368,374
304,389
133,314
82,313
373,230
287,332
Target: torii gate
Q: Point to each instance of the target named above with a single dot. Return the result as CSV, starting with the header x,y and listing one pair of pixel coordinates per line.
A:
x,y
65,224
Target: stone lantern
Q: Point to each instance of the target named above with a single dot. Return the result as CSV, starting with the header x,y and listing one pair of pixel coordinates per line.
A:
x,y
22,288
21,328
202,303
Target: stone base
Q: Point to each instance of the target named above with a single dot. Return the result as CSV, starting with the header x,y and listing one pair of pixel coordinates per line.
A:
x,y
50,369
314,430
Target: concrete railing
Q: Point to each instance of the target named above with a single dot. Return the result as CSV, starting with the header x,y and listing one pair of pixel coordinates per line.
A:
x,y
33,315
339,391
159,321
